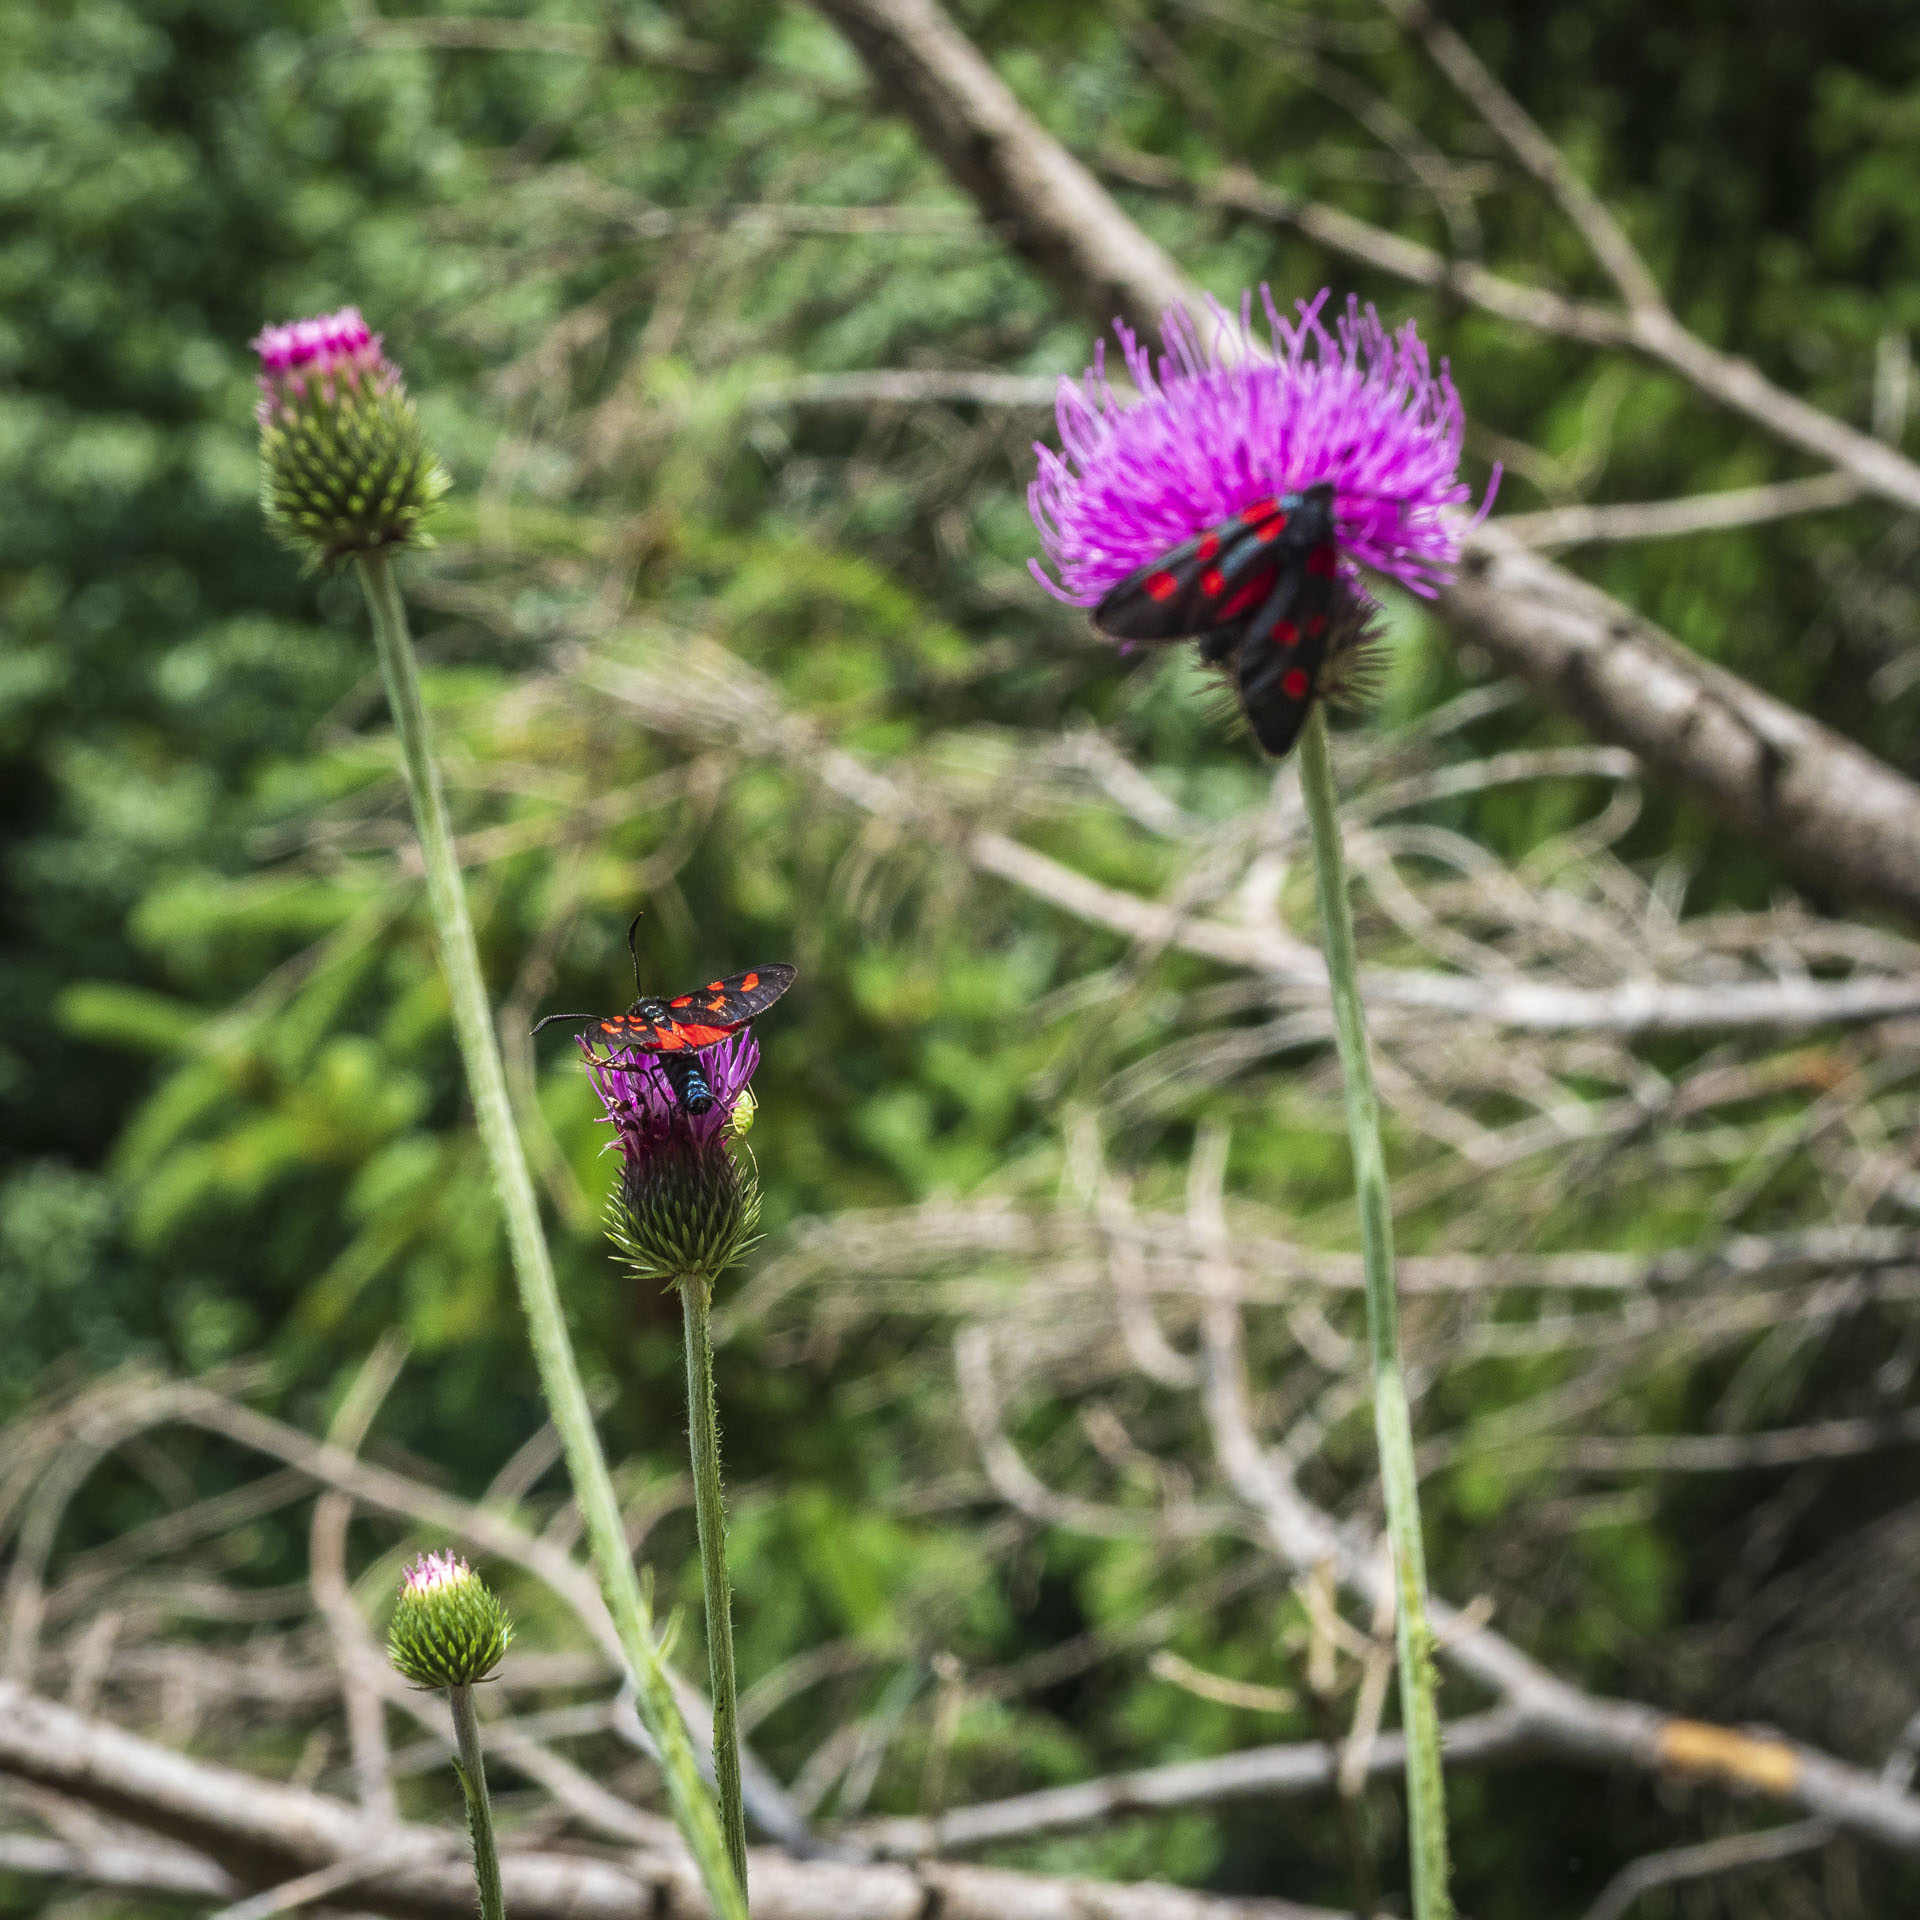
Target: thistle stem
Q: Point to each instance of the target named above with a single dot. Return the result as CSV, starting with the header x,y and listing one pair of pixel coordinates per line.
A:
x,y
472,1768
693,1809
1393,1424
710,1514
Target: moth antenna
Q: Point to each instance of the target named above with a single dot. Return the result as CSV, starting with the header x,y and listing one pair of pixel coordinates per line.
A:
x,y
633,928
552,1017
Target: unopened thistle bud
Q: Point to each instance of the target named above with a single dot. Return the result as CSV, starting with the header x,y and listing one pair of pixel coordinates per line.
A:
x,y
345,467
685,1207
448,1630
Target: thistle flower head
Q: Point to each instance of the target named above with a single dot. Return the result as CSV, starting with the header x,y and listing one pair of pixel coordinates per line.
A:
x,y
345,467
1210,433
684,1206
448,1630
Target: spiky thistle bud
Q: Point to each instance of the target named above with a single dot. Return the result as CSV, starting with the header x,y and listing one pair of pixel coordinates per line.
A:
x,y
345,467
448,1629
685,1207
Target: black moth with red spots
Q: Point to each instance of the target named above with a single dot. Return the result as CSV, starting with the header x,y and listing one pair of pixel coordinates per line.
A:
x,y
1262,594
675,1029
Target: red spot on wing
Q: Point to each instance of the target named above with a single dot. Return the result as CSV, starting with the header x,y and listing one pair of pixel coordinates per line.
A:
x,y
1213,583
1285,634
1208,547
673,1039
1321,562
1316,624
1269,530
685,1000
1265,509
1294,684
611,1026
718,1004
716,986
1161,585
701,1036
1251,592
749,981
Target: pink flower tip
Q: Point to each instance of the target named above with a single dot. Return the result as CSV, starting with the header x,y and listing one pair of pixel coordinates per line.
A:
x,y
328,355
434,1573
321,341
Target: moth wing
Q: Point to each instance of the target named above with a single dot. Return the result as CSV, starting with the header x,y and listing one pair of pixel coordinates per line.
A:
x,y
1278,663
1194,587
722,1005
754,991
690,1035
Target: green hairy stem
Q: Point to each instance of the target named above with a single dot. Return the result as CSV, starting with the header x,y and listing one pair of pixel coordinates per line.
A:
x,y
1393,1425
710,1514
472,1768
693,1807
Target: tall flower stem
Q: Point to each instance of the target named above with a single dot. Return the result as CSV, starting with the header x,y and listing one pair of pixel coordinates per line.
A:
x,y
473,1783
710,1514
1393,1425
693,1809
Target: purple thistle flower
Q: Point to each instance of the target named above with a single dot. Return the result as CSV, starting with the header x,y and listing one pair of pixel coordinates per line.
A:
x,y
646,1112
683,1206
1211,434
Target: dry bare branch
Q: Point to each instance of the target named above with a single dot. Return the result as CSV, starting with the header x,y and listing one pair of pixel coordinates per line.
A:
x,y
1670,519
1257,1773
264,1834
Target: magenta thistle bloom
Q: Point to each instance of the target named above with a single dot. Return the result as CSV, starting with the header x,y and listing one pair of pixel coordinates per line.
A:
x,y
1209,435
684,1206
344,465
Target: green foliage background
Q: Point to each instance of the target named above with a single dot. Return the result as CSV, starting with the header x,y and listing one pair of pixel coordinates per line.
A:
x,y
229,1101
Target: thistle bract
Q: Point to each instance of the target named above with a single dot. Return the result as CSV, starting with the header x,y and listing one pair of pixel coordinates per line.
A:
x,y
684,1207
345,467
1211,432
448,1630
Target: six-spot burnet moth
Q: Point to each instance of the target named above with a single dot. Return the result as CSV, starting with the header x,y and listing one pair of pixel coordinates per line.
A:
x,y
1263,596
676,1029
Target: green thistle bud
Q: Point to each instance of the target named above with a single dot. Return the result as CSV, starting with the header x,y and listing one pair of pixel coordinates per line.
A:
x,y
685,1210
448,1630
345,467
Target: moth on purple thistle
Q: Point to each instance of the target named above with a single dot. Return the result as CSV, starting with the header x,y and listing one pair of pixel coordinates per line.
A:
x,y
674,1082
678,1029
1235,499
